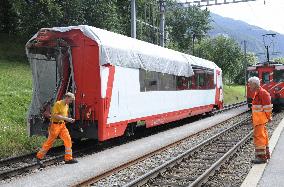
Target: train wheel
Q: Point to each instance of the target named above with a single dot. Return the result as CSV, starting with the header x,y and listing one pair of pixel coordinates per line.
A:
x,y
130,130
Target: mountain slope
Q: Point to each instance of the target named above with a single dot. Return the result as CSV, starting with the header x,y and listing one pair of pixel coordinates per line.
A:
x,y
241,31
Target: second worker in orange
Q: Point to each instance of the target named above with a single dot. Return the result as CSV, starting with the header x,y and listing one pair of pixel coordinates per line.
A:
x,y
261,114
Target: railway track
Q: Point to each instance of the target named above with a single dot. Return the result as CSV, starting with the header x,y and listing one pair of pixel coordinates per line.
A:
x,y
194,167
14,166
18,165
230,106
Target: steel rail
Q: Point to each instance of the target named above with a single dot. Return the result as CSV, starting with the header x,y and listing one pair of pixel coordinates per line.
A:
x,y
153,173
32,163
230,106
202,178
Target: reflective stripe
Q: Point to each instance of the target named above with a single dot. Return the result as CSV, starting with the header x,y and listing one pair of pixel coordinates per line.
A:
x,y
258,110
268,106
68,152
257,106
262,108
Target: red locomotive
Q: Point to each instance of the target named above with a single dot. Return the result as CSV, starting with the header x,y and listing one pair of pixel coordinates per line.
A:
x,y
271,75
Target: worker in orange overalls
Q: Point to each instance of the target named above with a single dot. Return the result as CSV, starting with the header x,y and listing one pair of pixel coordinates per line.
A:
x,y
59,115
261,114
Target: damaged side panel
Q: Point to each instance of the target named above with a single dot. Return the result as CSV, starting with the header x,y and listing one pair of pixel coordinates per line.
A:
x,y
51,78
64,62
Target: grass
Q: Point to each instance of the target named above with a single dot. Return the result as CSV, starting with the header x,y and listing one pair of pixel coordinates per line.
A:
x,y
15,97
234,93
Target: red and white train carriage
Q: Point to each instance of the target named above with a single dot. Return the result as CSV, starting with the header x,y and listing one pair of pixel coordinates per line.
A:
x,y
119,82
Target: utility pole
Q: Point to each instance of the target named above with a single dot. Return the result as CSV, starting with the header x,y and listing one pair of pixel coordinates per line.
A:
x,y
267,46
162,22
267,53
193,38
246,65
133,18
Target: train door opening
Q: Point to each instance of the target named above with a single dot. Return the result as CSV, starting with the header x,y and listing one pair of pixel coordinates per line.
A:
x,y
52,77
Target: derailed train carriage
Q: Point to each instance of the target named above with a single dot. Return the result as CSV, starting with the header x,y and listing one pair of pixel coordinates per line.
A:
x,y
120,83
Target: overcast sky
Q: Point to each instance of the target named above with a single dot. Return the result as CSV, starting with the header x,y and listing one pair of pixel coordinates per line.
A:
x,y
269,16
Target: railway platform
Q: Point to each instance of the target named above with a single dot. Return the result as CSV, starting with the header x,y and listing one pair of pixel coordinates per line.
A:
x,y
270,174
98,163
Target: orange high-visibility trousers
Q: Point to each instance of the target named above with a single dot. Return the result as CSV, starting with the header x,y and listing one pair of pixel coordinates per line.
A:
x,y
56,130
260,136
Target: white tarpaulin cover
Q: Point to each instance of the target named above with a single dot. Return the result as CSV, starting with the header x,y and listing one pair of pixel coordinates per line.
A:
x,y
120,50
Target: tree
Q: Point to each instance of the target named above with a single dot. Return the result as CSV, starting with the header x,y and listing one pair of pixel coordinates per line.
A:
x,y
34,15
8,17
250,60
124,15
103,14
226,53
186,24
281,60
72,12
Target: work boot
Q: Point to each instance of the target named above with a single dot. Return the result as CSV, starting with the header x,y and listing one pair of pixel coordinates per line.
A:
x,y
73,161
40,163
267,153
260,156
259,160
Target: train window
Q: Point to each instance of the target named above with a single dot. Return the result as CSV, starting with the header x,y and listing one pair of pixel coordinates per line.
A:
x,y
252,74
182,83
199,76
155,81
190,82
142,76
210,79
167,82
265,77
278,76
151,81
